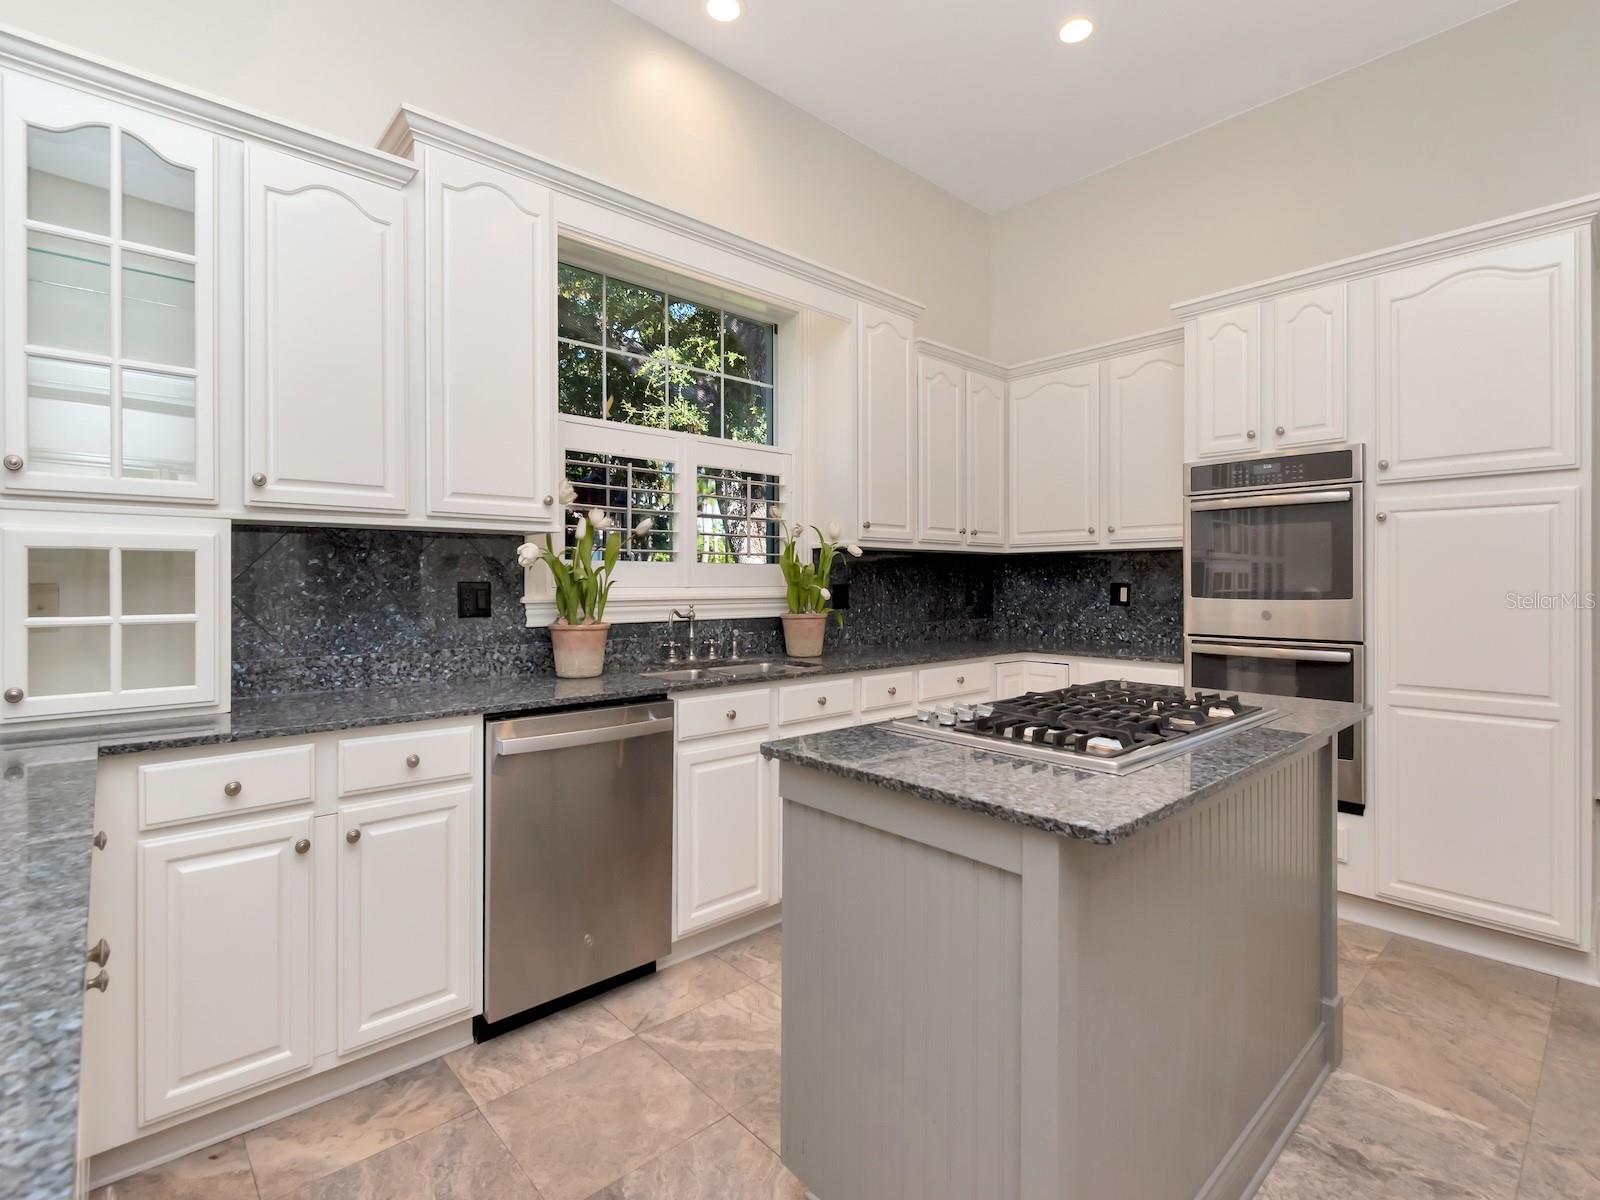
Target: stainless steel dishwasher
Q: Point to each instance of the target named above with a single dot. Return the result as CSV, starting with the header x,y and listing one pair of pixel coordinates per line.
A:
x,y
578,852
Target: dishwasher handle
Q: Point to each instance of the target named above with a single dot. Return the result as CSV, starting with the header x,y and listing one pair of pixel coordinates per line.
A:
x,y
582,737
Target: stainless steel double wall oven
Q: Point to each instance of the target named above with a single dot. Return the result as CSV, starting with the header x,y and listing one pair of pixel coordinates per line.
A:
x,y
1273,583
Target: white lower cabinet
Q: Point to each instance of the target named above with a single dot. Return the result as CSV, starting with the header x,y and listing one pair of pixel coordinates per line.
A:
x,y
1015,678
405,914
225,961
723,839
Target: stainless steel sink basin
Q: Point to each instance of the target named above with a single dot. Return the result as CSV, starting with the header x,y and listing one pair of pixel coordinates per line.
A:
x,y
680,674
756,670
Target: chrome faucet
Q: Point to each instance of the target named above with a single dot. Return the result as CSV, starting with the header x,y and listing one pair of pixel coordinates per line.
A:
x,y
674,616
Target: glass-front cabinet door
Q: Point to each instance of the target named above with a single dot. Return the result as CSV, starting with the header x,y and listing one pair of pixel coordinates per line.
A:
x,y
120,615
109,261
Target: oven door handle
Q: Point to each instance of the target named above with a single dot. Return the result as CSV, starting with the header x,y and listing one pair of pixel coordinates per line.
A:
x,y
1272,500
1289,652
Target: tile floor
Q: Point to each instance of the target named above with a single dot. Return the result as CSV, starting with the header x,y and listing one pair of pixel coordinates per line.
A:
x,y
1462,1078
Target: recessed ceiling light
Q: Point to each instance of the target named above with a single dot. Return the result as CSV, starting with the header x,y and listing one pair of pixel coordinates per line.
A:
x,y
1073,32
724,10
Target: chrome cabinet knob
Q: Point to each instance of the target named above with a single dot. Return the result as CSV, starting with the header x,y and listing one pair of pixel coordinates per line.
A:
x,y
1250,434
13,462
866,524
1383,464
353,836
303,845
99,953
822,702
413,760
1382,517
893,691
1091,529
100,840
732,713
1111,528
99,983
549,500
13,695
961,678
963,530
232,788
258,480
1278,431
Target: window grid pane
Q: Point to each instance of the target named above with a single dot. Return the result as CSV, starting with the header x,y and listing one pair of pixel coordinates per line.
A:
x,y
629,491
733,521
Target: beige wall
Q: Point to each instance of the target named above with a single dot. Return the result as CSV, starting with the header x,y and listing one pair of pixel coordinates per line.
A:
x,y
579,81
1492,118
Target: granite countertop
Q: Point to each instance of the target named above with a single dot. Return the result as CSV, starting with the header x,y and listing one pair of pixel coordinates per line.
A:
x,y
1061,799
46,823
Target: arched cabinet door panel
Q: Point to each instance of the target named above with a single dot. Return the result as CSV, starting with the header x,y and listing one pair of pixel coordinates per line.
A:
x,y
1054,431
888,428
325,338
1143,414
1227,381
941,440
1308,375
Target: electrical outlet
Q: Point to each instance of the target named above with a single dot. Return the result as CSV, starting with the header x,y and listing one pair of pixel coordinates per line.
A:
x,y
1121,595
472,598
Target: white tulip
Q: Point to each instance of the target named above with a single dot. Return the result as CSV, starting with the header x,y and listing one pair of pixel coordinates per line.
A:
x,y
853,550
569,494
825,593
598,520
834,533
644,526
775,512
527,555
798,530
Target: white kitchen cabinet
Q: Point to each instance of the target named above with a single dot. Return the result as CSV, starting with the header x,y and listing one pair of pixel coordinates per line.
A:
x,y
888,416
406,901
111,614
1226,410
325,335
491,263
224,961
110,279
941,457
1479,360
1143,429
1053,432
723,842
985,482
1308,399
1016,678
1480,809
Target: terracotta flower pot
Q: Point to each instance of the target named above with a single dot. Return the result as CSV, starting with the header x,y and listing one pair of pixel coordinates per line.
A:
x,y
802,634
580,649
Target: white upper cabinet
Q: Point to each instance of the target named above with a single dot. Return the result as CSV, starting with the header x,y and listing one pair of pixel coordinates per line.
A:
x,y
110,327
491,263
888,428
941,438
1053,428
325,392
1143,418
1308,398
1478,361
1227,382
986,460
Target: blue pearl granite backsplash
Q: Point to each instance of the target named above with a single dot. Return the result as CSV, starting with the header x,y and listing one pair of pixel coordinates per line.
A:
x,y
318,608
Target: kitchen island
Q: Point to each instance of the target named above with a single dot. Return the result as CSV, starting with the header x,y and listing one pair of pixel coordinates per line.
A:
x,y
1012,978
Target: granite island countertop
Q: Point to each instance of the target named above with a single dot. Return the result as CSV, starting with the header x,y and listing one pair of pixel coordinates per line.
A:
x,y
1056,798
47,819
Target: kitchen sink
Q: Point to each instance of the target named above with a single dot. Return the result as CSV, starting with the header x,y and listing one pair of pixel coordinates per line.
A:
x,y
757,670
680,674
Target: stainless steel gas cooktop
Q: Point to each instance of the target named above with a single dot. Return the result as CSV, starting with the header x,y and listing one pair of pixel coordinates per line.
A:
x,y
1112,726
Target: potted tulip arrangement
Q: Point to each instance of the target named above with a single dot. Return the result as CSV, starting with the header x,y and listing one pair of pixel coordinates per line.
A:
x,y
582,587
808,596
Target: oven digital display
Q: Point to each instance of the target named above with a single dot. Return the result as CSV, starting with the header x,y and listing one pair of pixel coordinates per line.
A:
x,y
1295,470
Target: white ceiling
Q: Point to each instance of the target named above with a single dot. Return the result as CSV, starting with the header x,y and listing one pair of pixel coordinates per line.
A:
x,y
979,96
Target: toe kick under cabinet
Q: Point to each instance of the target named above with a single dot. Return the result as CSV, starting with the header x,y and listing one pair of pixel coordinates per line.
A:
x,y
272,910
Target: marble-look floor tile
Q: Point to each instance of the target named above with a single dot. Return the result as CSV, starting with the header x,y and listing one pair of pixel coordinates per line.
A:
x,y
1563,1157
503,1064
220,1172
1575,1024
460,1160
759,956
725,1162
586,1126
729,1048
761,1117
672,992
1361,1141
1359,948
299,1149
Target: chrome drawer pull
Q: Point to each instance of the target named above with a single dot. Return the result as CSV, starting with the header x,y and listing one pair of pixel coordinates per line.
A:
x,y
232,788
413,760
99,983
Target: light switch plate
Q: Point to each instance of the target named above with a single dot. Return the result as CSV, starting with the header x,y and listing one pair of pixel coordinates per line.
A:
x,y
1121,594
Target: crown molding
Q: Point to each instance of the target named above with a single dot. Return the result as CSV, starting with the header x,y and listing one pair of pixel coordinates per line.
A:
x,y
962,358
85,72
1567,215
412,127
1134,344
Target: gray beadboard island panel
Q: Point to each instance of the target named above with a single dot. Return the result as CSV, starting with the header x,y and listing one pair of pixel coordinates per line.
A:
x,y
978,1007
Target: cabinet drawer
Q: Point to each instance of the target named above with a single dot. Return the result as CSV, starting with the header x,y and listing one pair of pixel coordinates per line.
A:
x,y
723,712
370,764
961,679
896,690
815,701
220,786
